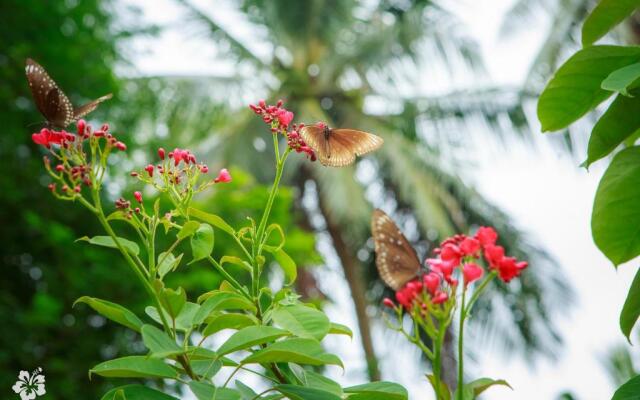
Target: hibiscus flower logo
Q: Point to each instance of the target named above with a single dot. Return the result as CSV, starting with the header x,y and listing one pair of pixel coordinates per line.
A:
x,y
30,386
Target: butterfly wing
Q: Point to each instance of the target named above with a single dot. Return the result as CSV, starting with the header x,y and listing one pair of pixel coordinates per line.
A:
x,y
87,108
396,259
342,146
358,142
52,103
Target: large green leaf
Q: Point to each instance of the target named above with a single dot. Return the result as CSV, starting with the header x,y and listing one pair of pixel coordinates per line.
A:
x,y
188,229
135,392
575,88
217,300
631,309
113,311
171,300
159,343
622,80
167,262
619,122
295,350
616,209
339,329
250,336
134,367
202,242
206,368
317,381
377,391
107,241
212,219
228,321
302,321
629,391
295,392
206,391
606,15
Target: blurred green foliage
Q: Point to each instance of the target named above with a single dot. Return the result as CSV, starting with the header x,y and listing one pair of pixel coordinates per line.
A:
x,y
43,270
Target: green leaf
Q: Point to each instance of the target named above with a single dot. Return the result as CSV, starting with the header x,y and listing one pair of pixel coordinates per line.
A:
x,y
206,391
480,385
274,248
317,381
216,300
184,320
236,261
377,391
621,120
202,242
212,219
188,229
206,368
167,262
288,266
295,350
628,391
112,311
134,367
631,309
228,321
302,321
339,329
172,300
606,15
295,392
616,211
246,392
107,241
249,337
623,79
575,88
135,392
159,343
445,393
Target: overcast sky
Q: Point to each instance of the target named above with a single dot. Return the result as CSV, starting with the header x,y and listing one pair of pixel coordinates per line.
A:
x,y
545,191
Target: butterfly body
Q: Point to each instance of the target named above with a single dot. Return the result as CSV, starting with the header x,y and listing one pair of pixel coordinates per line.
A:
x,y
51,101
339,147
396,259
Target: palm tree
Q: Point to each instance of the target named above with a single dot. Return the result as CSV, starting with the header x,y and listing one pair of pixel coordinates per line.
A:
x,y
353,64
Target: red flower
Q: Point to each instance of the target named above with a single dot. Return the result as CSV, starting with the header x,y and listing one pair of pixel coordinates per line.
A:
x,y
440,298
494,254
487,236
223,176
443,267
510,268
138,196
47,137
431,282
161,153
179,155
451,253
404,299
284,117
81,125
388,303
471,272
149,169
469,246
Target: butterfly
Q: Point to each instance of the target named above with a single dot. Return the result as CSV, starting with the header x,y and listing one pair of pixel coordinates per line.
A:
x,y
396,259
52,103
339,147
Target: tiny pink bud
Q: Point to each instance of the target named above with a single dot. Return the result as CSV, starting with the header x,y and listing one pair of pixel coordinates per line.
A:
x,y
388,303
59,167
223,176
137,210
121,146
161,153
134,174
138,196
149,169
76,189
81,125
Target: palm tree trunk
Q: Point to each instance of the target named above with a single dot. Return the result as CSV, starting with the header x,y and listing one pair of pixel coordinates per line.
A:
x,y
350,266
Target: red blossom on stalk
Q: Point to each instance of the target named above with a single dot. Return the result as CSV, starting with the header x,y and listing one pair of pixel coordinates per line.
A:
x,y
471,272
223,176
138,196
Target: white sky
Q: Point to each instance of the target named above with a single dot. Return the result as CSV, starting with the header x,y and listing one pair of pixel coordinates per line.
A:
x,y
545,192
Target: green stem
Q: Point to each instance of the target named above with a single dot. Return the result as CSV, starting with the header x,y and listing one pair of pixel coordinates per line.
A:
x,y
228,277
463,316
437,360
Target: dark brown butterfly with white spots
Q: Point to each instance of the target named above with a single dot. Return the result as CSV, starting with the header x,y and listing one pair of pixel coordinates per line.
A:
x,y
51,101
339,147
396,259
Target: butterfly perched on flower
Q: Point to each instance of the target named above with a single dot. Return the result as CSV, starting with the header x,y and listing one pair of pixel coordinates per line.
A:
x,y
52,103
339,147
396,259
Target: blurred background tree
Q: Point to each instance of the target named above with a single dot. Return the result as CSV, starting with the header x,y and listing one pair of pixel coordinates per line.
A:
x,y
351,64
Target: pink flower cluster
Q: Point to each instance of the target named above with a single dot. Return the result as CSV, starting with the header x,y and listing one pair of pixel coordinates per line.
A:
x,y
458,252
47,137
279,119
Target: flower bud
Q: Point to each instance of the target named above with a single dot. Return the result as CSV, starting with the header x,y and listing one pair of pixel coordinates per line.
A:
x,y
149,169
121,146
223,176
388,303
161,153
81,125
138,196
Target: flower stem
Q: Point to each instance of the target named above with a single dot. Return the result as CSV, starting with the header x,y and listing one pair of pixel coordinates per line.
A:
x,y
437,360
463,316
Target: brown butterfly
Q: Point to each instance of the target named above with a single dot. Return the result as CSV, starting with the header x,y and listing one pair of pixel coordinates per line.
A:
x,y
339,147
396,259
52,103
